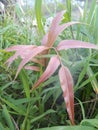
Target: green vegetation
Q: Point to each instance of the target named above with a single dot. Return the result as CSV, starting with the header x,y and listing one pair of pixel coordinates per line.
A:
x,y
31,88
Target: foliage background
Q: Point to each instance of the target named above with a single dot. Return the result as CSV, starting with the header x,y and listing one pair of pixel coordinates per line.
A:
x,y
45,107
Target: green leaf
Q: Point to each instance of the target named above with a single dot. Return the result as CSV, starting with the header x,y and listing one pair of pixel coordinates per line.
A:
x,y
85,82
94,81
41,116
38,4
26,100
82,74
7,118
69,128
85,10
68,2
96,25
1,127
25,81
14,107
90,122
82,108
6,85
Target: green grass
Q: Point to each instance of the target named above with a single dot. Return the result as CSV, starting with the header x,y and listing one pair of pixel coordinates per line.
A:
x,y
44,107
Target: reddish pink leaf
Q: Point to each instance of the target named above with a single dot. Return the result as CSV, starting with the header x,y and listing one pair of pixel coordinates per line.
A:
x,y
45,39
66,82
35,68
21,50
29,57
17,47
55,30
51,68
11,59
67,44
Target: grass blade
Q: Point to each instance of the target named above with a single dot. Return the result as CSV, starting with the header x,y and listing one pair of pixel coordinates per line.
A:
x,y
14,107
94,81
82,108
91,12
41,116
82,74
7,118
38,5
96,25
24,79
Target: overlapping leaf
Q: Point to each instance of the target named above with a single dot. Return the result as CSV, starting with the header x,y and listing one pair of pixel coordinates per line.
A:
x,y
50,69
21,50
26,53
66,44
55,29
28,57
66,82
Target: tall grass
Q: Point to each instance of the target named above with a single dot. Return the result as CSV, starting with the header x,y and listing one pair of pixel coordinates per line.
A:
x,y
20,109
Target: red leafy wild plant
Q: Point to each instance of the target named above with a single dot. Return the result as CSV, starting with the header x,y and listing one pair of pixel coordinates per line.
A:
x,y
30,53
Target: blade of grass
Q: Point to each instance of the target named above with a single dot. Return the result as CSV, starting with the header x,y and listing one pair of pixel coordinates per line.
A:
x,y
26,100
96,25
6,86
82,74
1,127
41,116
38,5
14,107
91,12
85,11
94,82
24,124
68,2
25,81
90,122
85,82
82,108
7,117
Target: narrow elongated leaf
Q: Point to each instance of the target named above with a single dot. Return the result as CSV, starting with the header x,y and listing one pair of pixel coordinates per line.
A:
x,y
54,34
29,57
91,12
43,115
7,118
14,107
67,44
51,68
24,79
2,127
94,82
55,29
82,73
45,39
90,122
18,47
21,50
38,5
66,82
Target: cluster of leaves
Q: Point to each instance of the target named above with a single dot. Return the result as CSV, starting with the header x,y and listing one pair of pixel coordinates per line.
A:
x,y
20,109
34,53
